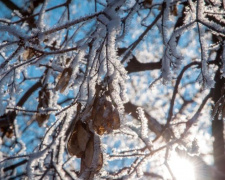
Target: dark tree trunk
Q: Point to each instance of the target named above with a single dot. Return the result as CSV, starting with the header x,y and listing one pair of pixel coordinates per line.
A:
x,y
218,125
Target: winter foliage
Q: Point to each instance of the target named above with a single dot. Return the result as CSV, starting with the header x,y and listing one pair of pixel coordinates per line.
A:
x,y
110,89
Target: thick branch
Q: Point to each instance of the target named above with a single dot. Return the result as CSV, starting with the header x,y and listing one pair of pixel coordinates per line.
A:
x,y
11,167
11,5
153,124
135,66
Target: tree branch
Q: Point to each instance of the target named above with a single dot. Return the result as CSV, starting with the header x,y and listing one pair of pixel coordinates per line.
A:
x,y
153,124
135,66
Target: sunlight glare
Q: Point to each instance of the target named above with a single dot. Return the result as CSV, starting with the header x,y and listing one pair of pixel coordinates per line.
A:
x,y
182,168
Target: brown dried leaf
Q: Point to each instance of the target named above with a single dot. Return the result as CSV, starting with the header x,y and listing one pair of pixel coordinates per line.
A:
x,y
41,118
98,119
54,43
105,119
101,130
100,162
100,127
115,119
43,98
64,79
95,108
28,53
77,143
147,3
174,10
87,159
82,136
89,152
67,61
8,131
45,40
73,147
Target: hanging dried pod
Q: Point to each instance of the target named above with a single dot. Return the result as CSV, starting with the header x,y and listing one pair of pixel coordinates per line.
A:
x,y
7,131
41,118
43,100
147,3
89,152
7,128
100,162
73,147
92,160
115,119
174,10
78,141
85,144
99,121
104,115
83,136
28,53
64,79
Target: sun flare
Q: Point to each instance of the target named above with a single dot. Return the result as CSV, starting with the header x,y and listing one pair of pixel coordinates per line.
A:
x,y
182,168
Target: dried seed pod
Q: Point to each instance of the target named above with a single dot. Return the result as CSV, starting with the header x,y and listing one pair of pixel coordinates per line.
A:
x,y
115,124
28,53
92,160
147,3
64,79
89,152
82,136
174,10
100,162
78,141
8,131
73,147
41,118
43,99
104,115
99,121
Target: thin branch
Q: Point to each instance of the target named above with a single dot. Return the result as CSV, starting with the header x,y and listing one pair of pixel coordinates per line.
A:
x,y
175,91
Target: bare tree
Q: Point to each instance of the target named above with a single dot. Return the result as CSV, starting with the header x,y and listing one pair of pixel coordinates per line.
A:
x,y
112,89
